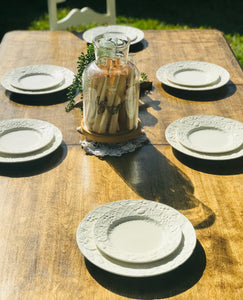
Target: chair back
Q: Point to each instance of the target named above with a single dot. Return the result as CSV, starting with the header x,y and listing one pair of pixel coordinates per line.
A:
x,y
82,16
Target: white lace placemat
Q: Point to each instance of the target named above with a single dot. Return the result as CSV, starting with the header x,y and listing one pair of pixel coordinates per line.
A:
x,y
114,149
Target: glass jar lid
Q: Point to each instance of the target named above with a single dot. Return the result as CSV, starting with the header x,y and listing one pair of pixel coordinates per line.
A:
x,y
111,44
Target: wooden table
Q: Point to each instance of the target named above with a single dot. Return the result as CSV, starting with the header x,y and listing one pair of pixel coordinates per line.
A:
x,y
42,203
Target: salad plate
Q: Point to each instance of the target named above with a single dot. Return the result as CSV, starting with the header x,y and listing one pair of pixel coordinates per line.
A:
x,y
10,80
40,153
37,78
206,137
134,34
210,134
87,244
193,75
21,136
131,236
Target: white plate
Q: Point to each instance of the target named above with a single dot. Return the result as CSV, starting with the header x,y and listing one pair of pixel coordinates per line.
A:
x,y
37,78
49,148
136,236
135,35
210,134
192,73
163,71
228,124
87,245
21,136
65,83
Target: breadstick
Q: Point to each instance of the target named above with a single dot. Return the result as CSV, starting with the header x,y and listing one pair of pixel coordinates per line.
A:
x,y
110,96
89,111
99,110
121,91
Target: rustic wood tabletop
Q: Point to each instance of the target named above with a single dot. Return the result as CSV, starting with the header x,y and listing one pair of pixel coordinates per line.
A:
x,y
43,202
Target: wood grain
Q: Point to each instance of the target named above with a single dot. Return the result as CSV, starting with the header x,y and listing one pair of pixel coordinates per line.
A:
x,y
43,202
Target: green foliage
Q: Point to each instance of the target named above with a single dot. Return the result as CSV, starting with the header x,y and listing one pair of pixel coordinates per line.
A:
x,y
76,87
144,76
43,22
236,43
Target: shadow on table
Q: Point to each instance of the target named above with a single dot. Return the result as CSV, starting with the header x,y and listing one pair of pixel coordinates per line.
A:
x,y
34,167
152,176
148,120
225,167
36,100
218,94
162,286
139,46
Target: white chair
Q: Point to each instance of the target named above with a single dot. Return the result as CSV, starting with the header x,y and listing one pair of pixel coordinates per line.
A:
x,y
82,16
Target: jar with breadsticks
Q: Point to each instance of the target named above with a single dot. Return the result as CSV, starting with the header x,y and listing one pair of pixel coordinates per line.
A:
x,y
111,92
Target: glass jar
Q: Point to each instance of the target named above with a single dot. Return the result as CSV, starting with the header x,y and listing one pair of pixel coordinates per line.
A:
x,y
110,88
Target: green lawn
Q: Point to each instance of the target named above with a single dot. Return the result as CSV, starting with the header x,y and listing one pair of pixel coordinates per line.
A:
x,y
224,15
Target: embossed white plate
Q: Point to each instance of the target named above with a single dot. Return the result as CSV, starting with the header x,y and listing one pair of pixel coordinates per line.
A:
x,y
44,151
216,142
9,78
192,73
136,236
37,78
210,134
21,136
87,245
169,70
135,35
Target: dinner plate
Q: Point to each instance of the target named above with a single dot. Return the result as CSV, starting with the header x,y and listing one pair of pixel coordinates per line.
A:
x,y
135,35
21,136
37,78
9,77
136,236
210,134
87,245
162,75
46,150
229,125
193,74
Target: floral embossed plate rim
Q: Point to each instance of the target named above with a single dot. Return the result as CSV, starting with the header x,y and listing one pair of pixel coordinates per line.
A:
x,y
224,77
171,137
193,73
21,136
46,150
68,80
37,77
210,134
87,245
137,236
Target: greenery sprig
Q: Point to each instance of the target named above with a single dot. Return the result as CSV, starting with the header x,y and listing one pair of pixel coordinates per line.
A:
x,y
76,87
144,76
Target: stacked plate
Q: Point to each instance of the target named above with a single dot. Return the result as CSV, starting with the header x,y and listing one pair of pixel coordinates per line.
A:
x,y
136,238
37,79
207,137
193,75
135,35
24,140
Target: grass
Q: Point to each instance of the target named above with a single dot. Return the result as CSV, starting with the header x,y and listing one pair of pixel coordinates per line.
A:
x,y
224,15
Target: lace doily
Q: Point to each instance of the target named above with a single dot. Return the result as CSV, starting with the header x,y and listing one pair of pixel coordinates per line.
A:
x,y
112,149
